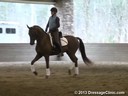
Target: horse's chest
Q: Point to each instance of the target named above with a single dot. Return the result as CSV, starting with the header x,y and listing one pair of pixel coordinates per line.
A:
x,y
42,50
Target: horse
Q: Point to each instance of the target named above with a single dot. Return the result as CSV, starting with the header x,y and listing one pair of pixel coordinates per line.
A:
x,y
45,48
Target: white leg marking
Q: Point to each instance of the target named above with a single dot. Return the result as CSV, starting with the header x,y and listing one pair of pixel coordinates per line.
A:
x,y
76,70
48,72
33,68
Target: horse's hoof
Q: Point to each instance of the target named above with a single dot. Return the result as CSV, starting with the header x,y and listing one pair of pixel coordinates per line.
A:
x,y
46,76
35,73
69,72
75,75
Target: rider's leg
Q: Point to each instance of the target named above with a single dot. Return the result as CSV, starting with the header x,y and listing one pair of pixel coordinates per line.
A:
x,y
56,40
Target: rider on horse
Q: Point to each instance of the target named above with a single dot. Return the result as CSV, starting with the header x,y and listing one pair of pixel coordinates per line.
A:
x,y
53,25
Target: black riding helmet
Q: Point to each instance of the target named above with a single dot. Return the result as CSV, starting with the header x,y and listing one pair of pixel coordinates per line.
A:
x,y
53,9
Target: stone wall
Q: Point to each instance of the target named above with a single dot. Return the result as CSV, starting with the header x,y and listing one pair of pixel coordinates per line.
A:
x,y
65,12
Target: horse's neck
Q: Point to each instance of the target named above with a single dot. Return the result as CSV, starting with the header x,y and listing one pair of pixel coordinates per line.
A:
x,y
42,37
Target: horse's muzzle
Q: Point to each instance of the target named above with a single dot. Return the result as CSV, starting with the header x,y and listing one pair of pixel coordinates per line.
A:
x,y
32,43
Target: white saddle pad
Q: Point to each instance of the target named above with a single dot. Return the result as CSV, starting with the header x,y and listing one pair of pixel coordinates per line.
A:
x,y
63,40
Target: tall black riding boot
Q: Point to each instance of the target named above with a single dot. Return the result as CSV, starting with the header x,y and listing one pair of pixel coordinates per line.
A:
x,y
61,53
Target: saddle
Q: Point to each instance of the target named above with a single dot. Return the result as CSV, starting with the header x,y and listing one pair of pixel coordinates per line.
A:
x,y
63,40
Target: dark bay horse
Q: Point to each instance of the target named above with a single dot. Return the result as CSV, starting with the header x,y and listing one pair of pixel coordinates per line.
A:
x,y
44,48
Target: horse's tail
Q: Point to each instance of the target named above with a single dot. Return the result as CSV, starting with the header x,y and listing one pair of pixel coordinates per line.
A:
x,y
82,51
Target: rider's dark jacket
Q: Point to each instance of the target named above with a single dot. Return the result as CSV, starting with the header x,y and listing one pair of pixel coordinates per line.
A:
x,y
53,23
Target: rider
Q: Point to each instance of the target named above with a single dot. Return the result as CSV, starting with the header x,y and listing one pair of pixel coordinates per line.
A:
x,y
53,25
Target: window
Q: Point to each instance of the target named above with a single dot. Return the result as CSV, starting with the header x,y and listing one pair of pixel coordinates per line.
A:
x,y
14,25
102,22
1,31
10,30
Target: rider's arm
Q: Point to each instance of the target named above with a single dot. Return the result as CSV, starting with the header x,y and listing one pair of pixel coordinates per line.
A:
x,y
47,27
57,22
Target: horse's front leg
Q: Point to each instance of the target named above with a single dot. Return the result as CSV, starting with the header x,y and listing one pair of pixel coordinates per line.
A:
x,y
47,66
38,56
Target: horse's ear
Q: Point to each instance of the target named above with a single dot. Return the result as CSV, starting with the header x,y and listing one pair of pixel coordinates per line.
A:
x,y
28,27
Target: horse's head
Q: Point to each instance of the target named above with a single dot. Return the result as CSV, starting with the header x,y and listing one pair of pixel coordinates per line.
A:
x,y
36,33
33,34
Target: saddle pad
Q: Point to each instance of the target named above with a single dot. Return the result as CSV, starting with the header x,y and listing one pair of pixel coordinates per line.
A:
x,y
63,40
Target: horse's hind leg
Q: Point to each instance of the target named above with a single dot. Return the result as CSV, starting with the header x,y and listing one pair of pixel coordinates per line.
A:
x,y
32,63
74,59
47,66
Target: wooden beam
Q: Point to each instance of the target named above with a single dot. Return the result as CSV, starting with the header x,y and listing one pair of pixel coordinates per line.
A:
x,y
31,1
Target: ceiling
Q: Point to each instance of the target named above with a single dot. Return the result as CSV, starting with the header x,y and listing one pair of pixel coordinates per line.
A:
x,y
30,1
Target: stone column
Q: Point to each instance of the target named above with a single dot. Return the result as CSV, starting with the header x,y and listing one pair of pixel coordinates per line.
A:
x,y
65,12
